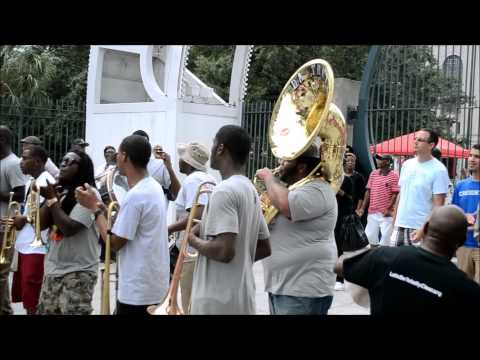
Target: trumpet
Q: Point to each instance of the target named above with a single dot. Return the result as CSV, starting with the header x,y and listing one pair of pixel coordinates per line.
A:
x,y
33,215
10,233
105,304
169,305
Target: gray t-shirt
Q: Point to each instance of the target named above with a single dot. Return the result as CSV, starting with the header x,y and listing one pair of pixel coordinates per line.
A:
x,y
79,252
229,288
303,248
11,176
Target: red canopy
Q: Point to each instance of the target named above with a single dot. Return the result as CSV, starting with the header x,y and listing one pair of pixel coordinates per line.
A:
x,y
404,145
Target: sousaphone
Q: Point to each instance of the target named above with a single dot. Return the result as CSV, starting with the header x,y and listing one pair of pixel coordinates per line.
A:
x,y
304,114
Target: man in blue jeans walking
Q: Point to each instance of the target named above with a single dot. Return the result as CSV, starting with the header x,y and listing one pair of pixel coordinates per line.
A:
x,y
299,275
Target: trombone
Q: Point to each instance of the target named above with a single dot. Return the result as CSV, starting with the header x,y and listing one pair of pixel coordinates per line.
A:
x,y
33,215
10,233
169,305
105,303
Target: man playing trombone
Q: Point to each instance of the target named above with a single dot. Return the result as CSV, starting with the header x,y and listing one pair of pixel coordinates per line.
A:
x,y
233,233
193,157
27,280
140,232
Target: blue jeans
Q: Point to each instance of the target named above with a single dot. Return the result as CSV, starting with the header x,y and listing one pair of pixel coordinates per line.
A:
x,y
297,305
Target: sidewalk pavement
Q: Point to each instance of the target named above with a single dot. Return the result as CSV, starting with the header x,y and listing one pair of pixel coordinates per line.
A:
x,y
342,302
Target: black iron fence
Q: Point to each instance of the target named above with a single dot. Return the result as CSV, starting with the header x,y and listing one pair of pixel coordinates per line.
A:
x,y
255,119
55,123
425,86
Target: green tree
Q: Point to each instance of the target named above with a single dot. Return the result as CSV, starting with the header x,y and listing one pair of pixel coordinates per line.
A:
x,y
213,65
25,72
411,91
69,81
272,65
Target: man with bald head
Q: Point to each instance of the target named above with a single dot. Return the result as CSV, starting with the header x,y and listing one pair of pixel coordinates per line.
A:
x,y
411,279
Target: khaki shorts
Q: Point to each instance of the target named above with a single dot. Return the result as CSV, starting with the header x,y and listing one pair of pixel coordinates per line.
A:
x,y
468,260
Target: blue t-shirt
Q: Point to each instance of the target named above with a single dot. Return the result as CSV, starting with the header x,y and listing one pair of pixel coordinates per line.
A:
x,y
467,196
419,181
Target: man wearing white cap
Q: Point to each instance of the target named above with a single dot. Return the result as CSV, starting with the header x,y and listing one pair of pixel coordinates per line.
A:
x,y
192,160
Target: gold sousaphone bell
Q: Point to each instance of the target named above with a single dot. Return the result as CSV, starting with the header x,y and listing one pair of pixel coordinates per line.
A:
x,y
304,114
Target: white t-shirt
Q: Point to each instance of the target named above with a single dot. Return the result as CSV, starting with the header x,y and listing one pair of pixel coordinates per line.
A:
x,y
144,263
229,288
419,181
101,169
186,196
51,168
157,169
27,234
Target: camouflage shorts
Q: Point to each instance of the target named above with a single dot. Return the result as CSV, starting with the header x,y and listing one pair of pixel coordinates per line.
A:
x,y
70,294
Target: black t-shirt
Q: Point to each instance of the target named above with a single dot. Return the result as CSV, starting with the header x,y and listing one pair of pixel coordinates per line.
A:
x,y
409,279
359,185
345,206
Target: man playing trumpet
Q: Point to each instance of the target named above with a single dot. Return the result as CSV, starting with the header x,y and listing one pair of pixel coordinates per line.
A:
x,y
11,180
27,280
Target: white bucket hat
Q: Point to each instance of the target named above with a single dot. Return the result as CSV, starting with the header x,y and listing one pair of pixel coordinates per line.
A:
x,y
194,154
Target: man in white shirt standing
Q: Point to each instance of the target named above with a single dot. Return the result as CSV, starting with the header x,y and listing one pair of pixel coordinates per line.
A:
x,y
193,157
233,233
423,186
140,233
49,165
27,280
110,161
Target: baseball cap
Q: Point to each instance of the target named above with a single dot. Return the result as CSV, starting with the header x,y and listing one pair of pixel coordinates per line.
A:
x,y
384,157
80,142
194,154
32,140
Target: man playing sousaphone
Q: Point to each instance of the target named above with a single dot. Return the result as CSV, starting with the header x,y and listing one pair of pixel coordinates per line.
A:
x,y
297,281
307,132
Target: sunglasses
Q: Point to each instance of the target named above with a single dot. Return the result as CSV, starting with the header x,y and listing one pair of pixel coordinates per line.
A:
x,y
69,162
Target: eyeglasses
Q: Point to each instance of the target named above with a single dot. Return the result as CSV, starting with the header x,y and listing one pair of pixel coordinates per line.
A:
x,y
422,140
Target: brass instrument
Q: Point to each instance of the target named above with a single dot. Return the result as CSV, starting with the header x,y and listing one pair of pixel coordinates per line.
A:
x,y
10,233
104,183
304,114
33,215
105,303
262,190
169,305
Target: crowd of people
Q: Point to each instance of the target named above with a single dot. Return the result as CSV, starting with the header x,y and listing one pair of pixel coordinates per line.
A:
x,y
407,266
